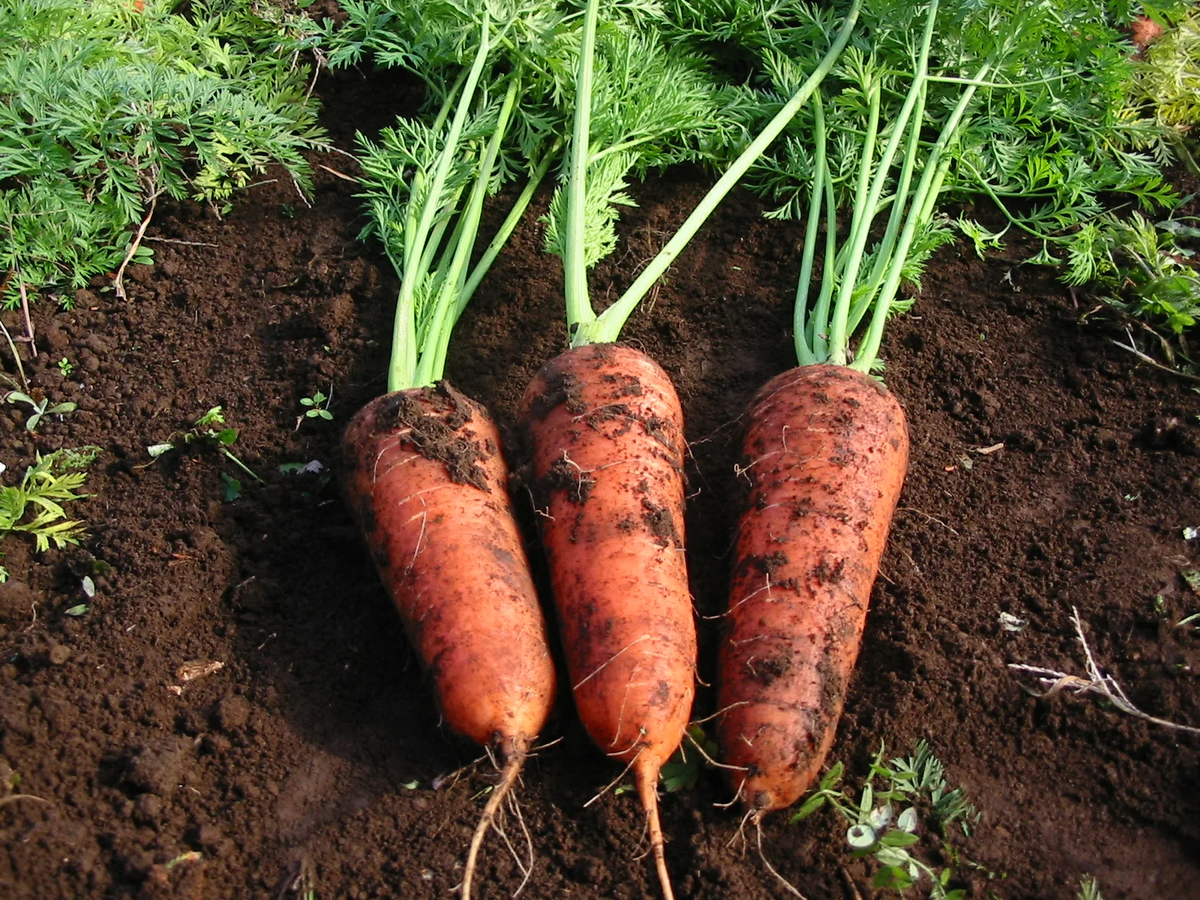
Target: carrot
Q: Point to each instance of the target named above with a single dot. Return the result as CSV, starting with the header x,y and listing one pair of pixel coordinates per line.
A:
x,y
426,481
606,430
825,452
424,473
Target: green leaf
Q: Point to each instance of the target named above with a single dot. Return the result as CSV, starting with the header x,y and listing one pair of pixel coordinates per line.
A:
x,y
893,878
227,436
1192,577
76,611
231,488
898,839
213,417
808,807
833,776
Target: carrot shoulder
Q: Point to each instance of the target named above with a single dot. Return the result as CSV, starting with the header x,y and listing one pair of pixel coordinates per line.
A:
x,y
825,452
606,431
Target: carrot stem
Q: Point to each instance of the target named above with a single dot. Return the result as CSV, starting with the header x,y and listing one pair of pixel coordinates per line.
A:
x,y
591,329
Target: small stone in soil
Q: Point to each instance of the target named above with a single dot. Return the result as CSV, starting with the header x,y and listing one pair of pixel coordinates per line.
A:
x,y
233,713
59,654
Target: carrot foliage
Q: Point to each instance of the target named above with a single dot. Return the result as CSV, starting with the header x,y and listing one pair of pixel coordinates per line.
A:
x,y
641,101
1014,101
491,72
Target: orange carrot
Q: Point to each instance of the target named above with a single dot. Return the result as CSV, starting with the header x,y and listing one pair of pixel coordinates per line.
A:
x,y
606,431
825,453
426,480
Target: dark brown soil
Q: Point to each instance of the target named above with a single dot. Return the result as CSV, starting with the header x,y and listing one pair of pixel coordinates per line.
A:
x,y
314,756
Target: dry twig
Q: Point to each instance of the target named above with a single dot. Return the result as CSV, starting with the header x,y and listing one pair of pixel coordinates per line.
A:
x,y
1096,683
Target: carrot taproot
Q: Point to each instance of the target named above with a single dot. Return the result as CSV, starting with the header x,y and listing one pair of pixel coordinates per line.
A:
x,y
825,452
606,431
425,478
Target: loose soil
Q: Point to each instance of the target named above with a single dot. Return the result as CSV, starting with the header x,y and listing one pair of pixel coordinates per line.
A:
x,y
1050,471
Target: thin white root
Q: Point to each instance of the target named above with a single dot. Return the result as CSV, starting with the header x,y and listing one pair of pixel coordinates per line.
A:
x,y
647,778
508,777
612,784
792,889
1096,683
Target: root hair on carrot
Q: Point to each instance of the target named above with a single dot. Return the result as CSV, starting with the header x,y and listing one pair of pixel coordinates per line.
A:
x,y
647,777
607,662
737,795
719,712
712,762
741,830
612,784
508,777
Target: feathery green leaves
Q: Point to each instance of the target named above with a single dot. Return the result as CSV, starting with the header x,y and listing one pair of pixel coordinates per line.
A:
x,y
103,108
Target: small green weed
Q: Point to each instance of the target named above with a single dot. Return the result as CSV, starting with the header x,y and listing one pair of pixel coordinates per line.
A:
x,y
36,504
316,407
682,771
1089,889
1148,271
203,432
40,409
66,367
893,838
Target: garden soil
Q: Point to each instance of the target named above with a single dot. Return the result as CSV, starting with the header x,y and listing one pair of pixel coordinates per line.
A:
x,y
236,713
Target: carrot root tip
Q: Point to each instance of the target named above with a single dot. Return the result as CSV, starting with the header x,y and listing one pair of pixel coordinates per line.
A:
x,y
508,777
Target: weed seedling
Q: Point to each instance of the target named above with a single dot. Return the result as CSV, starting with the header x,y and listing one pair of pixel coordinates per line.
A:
x,y
203,432
894,839
316,407
66,367
36,504
39,409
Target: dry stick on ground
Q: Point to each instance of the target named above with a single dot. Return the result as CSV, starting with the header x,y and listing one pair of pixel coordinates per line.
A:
x,y
1100,683
16,356
1149,360
4,801
25,313
119,279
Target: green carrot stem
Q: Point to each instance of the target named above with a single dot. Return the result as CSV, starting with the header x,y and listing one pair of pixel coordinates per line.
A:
x,y
402,368
860,227
912,111
607,327
580,314
921,206
433,351
509,225
820,335
804,352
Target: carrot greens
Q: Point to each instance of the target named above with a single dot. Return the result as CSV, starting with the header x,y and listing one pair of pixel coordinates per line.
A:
x,y
1014,101
426,179
668,105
